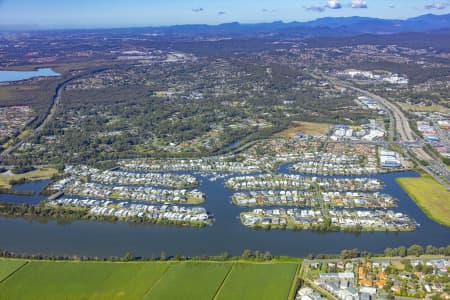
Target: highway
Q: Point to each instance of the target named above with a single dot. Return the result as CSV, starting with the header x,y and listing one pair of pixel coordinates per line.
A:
x,y
402,128
406,136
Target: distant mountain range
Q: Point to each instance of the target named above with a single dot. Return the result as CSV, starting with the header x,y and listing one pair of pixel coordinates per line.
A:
x,y
342,26
333,27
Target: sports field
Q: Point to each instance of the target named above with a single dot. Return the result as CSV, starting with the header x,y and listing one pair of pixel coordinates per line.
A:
x,y
431,196
145,280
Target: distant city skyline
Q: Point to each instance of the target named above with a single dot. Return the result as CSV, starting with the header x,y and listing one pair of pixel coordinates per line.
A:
x,y
128,13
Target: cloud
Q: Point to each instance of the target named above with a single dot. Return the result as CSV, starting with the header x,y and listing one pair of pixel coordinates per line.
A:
x,y
221,13
391,5
437,5
265,10
316,8
334,4
358,4
197,10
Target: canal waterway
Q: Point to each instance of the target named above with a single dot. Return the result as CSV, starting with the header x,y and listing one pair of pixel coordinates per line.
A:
x,y
227,234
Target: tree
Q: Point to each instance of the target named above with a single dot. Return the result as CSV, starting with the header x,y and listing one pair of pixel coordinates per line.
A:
x,y
389,252
129,256
401,251
225,256
426,269
347,254
267,255
416,250
246,254
407,264
447,250
431,250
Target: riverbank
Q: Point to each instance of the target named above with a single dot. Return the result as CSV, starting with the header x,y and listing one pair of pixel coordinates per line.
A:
x,y
8,179
333,220
75,209
432,197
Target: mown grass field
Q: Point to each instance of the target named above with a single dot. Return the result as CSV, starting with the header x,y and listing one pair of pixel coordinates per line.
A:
x,y
258,281
9,266
83,280
145,280
431,196
44,173
431,108
190,281
305,128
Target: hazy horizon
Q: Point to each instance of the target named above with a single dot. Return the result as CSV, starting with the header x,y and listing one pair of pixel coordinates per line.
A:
x,y
48,14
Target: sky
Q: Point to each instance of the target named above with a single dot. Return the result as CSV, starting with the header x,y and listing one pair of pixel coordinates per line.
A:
x,y
124,13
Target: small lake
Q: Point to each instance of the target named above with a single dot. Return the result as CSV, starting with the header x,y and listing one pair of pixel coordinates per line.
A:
x,y
8,76
34,186
227,234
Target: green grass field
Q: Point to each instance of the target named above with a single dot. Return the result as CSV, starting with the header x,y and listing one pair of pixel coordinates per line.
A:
x,y
145,280
190,281
84,280
431,108
258,281
431,196
9,266
305,128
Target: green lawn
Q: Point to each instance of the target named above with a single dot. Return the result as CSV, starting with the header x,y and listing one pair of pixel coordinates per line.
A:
x,y
83,280
258,281
190,281
9,266
431,196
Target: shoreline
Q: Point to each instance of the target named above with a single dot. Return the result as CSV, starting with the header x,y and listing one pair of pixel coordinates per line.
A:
x,y
419,202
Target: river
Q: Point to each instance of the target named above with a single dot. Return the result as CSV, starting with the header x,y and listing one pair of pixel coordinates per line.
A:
x,y
227,234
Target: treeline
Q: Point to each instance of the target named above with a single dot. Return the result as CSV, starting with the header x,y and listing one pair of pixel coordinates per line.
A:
x,y
248,255
327,226
402,251
28,210
15,192
73,214
417,250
